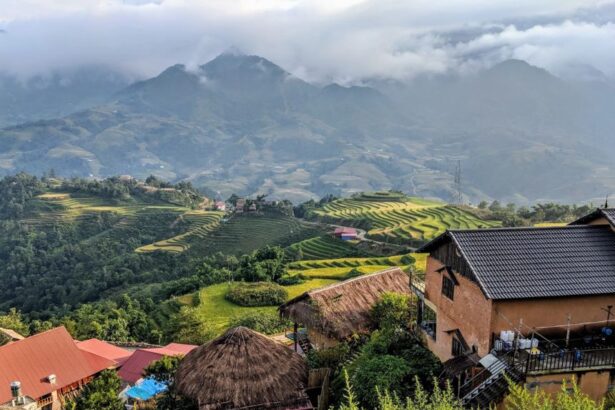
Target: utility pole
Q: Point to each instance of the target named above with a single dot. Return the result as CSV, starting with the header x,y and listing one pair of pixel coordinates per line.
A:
x,y
458,193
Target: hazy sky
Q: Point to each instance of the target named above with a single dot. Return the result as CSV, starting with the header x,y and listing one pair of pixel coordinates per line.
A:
x,y
319,40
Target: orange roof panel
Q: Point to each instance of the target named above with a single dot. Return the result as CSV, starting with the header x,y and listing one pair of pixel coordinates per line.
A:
x,y
31,360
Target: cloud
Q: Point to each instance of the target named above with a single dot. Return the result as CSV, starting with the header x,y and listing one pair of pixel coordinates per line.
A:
x,y
319,40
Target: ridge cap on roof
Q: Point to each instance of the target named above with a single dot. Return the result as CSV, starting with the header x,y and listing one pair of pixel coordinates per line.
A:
x,y
357,279
525,228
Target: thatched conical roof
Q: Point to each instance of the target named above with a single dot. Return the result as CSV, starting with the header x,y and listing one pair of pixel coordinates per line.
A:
x,y
244,368
343,309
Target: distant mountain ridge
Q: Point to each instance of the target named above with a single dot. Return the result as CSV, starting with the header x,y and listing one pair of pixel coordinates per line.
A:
x,y
243,124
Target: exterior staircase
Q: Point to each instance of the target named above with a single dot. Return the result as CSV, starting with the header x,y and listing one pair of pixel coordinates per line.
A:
x,y
491,385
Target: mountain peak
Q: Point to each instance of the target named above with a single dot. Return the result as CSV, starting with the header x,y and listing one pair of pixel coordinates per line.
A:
x,y
517,67
237,66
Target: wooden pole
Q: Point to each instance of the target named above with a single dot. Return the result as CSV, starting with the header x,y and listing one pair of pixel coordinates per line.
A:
x,y
296,330
569,319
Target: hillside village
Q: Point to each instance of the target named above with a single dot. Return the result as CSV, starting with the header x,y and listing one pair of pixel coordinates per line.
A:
x,y
473,305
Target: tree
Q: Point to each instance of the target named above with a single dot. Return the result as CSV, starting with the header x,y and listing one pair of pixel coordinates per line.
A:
x,y
438,399
189,328
101,394
391,311
14,321
163,371
570,397
384,372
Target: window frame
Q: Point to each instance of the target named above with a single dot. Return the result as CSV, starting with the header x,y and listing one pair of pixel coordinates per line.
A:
x,y
448,287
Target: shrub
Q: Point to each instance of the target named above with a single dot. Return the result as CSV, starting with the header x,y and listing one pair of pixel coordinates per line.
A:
x,y
257,294
407,260
354,272
268,323
387,373
332,357
288,280
391,311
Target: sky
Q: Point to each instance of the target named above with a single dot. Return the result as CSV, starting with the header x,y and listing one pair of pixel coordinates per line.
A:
x,y
319,40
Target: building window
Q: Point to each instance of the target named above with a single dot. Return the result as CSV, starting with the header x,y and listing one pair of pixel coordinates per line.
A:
x,y
457,347
448,287
428,322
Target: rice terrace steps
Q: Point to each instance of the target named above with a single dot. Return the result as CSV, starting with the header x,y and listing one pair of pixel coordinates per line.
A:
x,y
397,218
201,223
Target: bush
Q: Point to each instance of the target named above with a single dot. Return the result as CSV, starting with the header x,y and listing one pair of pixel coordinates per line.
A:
x,y
354,273
288,280
332,357
407,260
391,311
267,323
387,373
257,294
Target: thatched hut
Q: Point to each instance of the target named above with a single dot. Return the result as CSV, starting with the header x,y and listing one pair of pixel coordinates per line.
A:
x,y
336,312
244,369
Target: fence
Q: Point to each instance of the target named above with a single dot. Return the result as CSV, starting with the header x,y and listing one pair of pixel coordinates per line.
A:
x,y
570,360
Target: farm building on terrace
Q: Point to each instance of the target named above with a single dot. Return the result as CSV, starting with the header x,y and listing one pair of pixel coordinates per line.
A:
x,y
345,234
244,369
336,312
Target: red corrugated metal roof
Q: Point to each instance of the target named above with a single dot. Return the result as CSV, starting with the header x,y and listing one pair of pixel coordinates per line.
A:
x,y
345,231
132,369
104,349
33,359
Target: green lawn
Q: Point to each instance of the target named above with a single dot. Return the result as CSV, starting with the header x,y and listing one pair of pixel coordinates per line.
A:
x,y
218,312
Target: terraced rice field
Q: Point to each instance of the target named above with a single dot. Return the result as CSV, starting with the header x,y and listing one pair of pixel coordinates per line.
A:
x,y
244,234
340,266
324,247
63,207
399,220
201,224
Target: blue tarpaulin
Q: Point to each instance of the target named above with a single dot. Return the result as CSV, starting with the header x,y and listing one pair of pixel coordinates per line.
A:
x,y
145,390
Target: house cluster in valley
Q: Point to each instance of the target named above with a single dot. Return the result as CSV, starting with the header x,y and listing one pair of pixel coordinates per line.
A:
x,y
532,305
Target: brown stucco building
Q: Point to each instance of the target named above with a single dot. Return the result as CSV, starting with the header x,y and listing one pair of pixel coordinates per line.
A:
x,y
536,304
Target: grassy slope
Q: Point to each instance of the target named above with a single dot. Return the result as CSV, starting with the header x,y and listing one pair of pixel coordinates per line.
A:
x,y
218,312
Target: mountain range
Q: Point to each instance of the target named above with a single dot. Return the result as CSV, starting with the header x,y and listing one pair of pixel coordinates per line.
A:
x,y
241,124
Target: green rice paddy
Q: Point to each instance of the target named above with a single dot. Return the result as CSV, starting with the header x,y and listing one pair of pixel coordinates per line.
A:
x,y
400,219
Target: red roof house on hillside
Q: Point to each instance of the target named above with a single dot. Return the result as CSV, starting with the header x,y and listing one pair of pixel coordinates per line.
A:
x,y
49,367
345,234
132,369
104,349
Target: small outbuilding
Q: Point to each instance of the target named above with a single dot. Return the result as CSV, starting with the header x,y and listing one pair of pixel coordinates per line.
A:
x,y
345,233
244,369
336,312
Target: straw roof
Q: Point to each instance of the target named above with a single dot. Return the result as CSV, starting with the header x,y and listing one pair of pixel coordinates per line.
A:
x,y
242,369
343,309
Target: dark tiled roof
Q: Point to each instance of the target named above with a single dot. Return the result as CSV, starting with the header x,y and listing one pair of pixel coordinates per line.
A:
x,y
608,213
519,263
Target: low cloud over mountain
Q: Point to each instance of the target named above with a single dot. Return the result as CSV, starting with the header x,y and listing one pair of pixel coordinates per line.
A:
x,y
243,124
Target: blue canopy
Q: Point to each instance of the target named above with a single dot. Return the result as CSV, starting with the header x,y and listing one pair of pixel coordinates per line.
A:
x,y
146,389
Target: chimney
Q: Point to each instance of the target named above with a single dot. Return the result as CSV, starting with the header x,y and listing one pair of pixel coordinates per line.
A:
x,y
52,378
16,392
